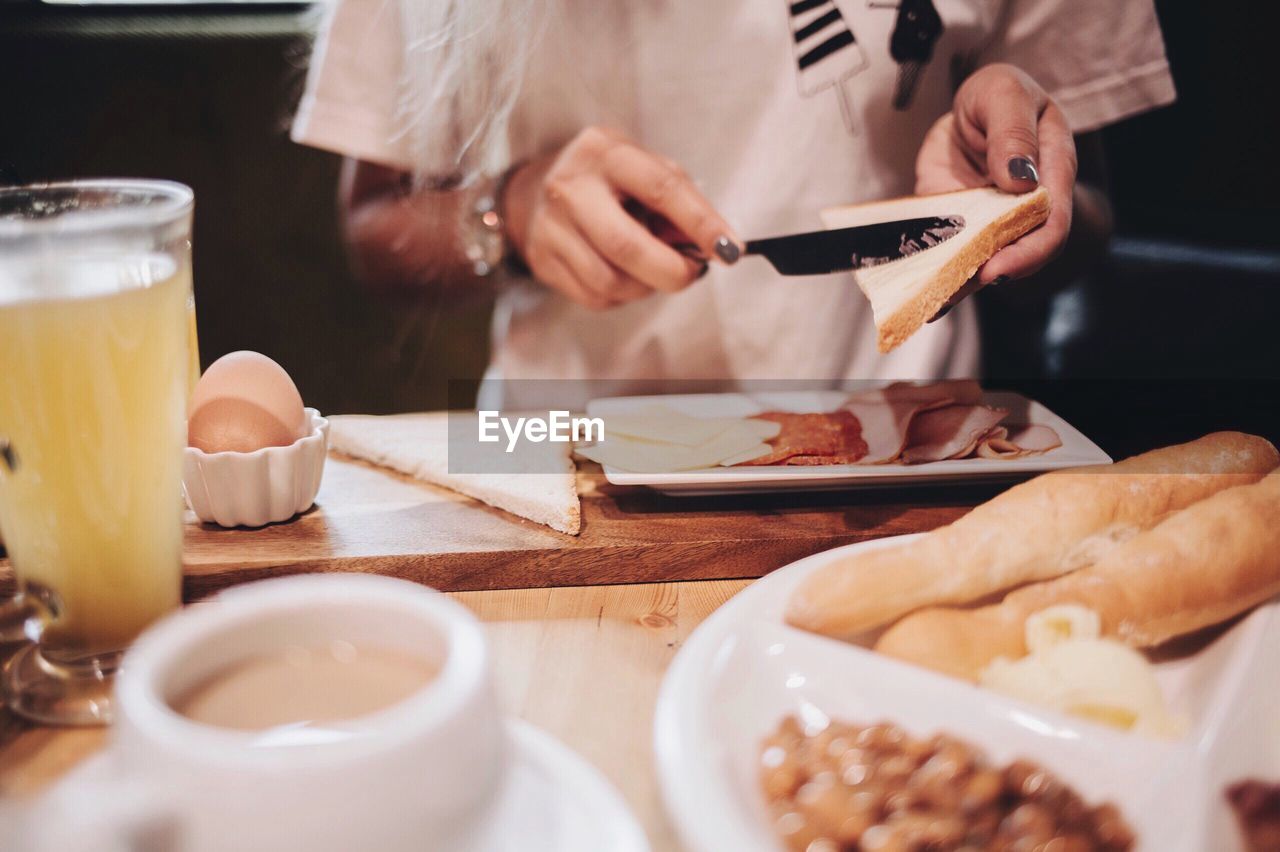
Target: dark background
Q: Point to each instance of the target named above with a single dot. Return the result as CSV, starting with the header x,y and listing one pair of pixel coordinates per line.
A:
x,y
1174,332
204,96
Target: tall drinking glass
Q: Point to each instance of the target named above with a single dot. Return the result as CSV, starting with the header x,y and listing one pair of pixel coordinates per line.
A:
x,y
95,283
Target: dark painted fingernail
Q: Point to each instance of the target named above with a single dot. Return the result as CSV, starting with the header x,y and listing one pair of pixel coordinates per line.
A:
x,y
690,251
727,250
998,280
946,309
1020,168
703,271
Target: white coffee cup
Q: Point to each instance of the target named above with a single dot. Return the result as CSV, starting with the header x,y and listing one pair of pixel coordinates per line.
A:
x,y
417,775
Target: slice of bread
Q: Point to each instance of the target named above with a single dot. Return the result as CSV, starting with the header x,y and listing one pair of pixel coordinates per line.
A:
x,y
906,293
537,482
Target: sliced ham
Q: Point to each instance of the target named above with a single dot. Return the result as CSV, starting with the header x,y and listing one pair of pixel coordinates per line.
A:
x,y
950,433
905,423
1018,441
887,413
885,425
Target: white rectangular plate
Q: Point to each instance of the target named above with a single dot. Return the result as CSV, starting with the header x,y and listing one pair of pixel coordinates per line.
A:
x,y
1076,449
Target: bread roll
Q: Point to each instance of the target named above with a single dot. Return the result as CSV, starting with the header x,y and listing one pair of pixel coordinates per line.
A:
x,y
1043,528
1199,567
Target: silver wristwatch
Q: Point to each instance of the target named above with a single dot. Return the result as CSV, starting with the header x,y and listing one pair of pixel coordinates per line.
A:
x,y
485,232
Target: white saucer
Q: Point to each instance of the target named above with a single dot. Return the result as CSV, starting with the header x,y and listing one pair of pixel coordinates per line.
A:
x,y
553,800
550,801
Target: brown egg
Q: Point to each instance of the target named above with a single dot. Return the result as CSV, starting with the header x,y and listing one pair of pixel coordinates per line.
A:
x,y
244,402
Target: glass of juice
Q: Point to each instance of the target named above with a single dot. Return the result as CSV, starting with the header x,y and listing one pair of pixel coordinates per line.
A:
x,y
95,356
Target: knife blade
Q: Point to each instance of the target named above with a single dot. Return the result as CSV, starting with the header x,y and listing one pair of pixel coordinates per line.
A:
x,y
845,249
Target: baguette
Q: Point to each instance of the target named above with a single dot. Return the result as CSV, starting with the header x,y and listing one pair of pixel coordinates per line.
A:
x,y
1043,528
906,293
1199,567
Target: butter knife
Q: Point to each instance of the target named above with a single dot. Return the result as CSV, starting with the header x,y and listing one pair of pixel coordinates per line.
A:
x,y
845,249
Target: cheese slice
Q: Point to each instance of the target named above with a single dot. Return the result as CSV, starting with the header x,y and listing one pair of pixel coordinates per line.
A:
x,y
659,424
752,454
636,456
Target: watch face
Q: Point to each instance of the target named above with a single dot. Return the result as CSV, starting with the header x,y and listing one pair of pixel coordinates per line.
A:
x,y
487,245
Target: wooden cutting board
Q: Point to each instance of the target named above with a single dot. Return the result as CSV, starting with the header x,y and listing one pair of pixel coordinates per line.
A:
x,y
373,520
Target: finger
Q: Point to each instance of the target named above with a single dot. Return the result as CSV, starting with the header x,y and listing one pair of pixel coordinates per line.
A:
x,y
612,133
549,269
1013,148
561,278
624,242
590,269
966,290
943,164
1022,257
670,192
1006,109
1058,175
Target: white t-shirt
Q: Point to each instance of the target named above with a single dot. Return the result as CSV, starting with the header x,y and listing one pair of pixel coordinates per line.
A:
x,y
778,109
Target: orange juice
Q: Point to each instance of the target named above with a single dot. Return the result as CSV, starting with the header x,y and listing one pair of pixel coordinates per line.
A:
x,y
93,394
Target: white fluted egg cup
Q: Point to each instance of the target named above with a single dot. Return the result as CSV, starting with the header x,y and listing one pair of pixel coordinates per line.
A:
x,y
254,489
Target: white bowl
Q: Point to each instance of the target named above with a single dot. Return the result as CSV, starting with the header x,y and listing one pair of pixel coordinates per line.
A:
x,y
263,487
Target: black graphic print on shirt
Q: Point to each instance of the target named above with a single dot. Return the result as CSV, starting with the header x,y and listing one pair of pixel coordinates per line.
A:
x,y
827,52
911,45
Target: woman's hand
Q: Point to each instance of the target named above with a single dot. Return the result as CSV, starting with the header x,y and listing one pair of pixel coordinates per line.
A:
x,y
1004,129
565,217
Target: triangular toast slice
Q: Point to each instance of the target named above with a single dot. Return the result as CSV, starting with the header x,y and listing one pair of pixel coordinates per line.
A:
x,y
537,483
906,293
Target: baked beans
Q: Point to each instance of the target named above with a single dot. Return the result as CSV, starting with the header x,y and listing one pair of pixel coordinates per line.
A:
x,y
850,788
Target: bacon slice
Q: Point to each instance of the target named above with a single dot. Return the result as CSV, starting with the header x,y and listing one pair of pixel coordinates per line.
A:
x,y
798,461
832,438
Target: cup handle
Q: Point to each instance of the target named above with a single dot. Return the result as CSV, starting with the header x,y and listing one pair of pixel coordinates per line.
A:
x,y
97,807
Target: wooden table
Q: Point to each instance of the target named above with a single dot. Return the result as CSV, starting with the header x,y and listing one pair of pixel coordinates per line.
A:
x,y
372,520
583,663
